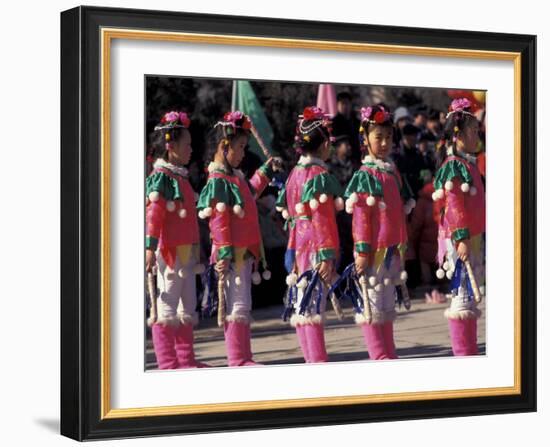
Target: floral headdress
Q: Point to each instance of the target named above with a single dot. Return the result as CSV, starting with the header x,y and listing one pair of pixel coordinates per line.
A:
x,y
233,121
458,108
374,115
312,118
173,120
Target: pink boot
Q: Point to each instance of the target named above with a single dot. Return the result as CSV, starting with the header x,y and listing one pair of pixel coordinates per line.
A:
x,y
302,339
472,336
315,336
184,348
459,331
387,331
163,343
374,339
237,343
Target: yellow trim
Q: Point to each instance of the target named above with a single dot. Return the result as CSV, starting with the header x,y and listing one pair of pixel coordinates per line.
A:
x,y
107,34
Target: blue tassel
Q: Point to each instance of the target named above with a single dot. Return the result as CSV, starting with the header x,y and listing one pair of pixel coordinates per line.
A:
x,y
455,280
209,282
290,257
292,293
388,257
346,287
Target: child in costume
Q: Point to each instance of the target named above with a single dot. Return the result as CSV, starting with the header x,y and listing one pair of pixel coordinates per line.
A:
x,y
172,238
228,200
460,193
375,197
308,203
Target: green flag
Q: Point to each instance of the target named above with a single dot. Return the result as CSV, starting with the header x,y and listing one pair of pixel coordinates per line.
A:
x,y
245,100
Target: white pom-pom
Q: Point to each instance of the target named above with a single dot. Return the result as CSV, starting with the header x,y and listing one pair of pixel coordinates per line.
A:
x,y
278,208
411,203
482,290
323,198
448,185
438,194
465,187
434,196
449,274
473,191
440,273
371,200
446,266
378,287
339,203
207,211
382,205
300,208
198,269
291,279
372,281
220,207
302,284
407,209
266,275
285,214
387,281
313,204
353,198
170,206
404,275
238,281
182,273
237,209
349,209
182,213
201,215
154,196
256,278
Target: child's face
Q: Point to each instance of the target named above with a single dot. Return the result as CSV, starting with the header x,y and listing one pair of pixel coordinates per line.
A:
x,y
236,151
379,141
181,150
468,139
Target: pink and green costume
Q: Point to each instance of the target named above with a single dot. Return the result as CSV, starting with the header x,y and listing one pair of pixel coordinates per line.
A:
x,y
375,196
172,232
308,203
229,200
460,192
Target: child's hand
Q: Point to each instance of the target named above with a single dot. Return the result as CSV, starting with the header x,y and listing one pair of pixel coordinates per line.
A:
x,y
276,163
150,260
222,265
326,270
361,264
463,249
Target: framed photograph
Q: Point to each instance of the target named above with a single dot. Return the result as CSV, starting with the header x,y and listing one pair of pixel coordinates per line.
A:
x,y
275,223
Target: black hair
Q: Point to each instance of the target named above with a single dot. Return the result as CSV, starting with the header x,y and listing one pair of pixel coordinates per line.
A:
x,y
309,142
366,126
456,123
216,135
343,95
159,138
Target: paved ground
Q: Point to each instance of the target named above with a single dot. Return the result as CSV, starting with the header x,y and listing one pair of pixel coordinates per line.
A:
x,y
420,332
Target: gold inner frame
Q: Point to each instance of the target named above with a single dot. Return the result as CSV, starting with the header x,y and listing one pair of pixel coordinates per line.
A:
x,y
107,35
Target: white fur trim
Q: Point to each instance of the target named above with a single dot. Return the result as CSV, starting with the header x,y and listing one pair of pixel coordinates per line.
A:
x,y
323,198
440,273
313,204
463,314
221,207
215,166
473,191
256,278
266,275
285,214
154,196
382,205
193,320
182,273
448,185
339,203
300,208
198,269
291,279
300,320
182,213
308,159
465,187
237,318
169,321
162,163
372,281
371,200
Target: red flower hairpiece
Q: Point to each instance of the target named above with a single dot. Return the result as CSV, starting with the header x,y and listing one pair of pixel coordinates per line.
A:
x,y
174,119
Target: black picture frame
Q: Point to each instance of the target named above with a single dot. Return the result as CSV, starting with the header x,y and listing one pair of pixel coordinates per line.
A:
x,y
81,195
